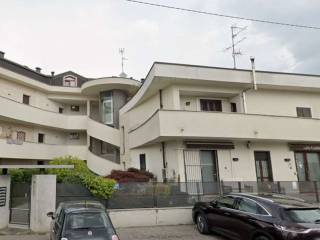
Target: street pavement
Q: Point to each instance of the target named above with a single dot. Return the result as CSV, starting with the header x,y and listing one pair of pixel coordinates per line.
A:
x,y
185,232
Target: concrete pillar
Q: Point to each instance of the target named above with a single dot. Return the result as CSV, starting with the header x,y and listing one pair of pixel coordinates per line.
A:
x,y
88,108
43,200
5,181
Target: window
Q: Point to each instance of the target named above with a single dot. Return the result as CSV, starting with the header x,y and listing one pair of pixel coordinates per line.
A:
x,y
75,108
210,105
304,112
249,206
263,166
226,202
40,138
74,136
21,136
143,166
106,148
233,107
70,81
26,99
60,110
107,109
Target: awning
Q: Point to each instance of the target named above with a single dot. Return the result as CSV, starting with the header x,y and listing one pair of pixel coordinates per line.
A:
x,y
209,145
304,147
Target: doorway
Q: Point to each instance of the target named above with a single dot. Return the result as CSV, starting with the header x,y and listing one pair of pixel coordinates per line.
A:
x,y
263,166
308,166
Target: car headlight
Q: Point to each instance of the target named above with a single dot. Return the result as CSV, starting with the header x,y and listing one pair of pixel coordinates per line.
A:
x,y
292,229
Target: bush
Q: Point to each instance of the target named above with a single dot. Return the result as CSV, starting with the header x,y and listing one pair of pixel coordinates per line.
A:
x,y
22,175
97,185
131,175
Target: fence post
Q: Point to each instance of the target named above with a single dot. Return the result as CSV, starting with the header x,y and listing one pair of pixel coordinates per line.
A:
x,y
221,188
239,187
155,202
316,190
279,187
198,191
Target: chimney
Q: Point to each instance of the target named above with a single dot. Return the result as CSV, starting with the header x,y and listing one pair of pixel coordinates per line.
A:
x,y
255,87
38,70
2,54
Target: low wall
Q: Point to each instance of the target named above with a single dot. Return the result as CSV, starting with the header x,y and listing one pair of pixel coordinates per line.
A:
x,y
151,217
5,181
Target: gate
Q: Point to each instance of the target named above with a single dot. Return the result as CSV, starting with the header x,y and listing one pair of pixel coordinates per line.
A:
x,y
201,171
20,203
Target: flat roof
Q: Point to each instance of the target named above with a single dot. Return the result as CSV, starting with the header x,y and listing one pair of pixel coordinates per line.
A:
x,y
35,166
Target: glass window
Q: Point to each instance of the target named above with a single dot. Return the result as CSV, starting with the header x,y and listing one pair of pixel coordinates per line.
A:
x,y
26,99
226,202
107,110
210,105
301,169
249,206
304,112
143,166
313,166
87,220
303,215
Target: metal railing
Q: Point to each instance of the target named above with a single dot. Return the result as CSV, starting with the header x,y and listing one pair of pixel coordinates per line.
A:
x,y
161,195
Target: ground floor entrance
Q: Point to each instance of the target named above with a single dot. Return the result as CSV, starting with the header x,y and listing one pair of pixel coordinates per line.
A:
x,y
201,166
308,166
20,201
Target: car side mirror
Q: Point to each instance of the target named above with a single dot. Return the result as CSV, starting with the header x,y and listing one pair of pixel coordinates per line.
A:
x,y
214,203
51,215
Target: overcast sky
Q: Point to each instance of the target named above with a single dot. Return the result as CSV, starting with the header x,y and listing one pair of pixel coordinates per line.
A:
x,y
85,35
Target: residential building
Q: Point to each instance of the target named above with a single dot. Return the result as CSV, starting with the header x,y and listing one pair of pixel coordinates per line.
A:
x,y
183,122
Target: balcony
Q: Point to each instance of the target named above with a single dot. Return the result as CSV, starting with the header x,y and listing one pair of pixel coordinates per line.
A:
x,y
40,151
166,125
11,109
100,165
103,132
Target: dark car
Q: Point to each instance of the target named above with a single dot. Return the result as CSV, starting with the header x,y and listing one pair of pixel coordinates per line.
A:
x,y
258,217
81,220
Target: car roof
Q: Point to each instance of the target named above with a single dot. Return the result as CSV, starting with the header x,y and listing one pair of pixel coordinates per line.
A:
x,y
280,200
77,206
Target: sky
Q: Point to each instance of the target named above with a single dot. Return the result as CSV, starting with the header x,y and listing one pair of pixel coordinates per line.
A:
x,y
85,35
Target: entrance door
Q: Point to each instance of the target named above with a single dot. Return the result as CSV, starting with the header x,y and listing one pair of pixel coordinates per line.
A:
x,y
20,203
201,168
263,166
308,166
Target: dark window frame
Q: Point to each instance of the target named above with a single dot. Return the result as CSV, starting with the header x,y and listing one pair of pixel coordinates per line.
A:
x,y
60,109
268,160
210,105
75,108
143,162
305,161
26,99
233,107
41,137
304,112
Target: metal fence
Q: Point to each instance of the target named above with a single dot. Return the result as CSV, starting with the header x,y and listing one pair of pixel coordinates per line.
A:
x,y
157,195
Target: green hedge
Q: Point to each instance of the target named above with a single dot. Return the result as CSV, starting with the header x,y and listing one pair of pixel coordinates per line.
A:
x,y
97,185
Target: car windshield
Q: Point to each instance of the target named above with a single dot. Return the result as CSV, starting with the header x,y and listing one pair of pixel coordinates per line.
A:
x,y
87,220
304,215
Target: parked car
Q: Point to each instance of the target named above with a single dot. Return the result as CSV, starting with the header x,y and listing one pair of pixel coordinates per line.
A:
x,y
258,217
81,220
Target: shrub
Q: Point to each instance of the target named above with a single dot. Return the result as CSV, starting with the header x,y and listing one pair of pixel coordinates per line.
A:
x,y
97,185
22,175
131,175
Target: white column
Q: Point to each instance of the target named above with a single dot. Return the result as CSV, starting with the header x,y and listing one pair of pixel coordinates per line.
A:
x,y
88,108
5,181
43,200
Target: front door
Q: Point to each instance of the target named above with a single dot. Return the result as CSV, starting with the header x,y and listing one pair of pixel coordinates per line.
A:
x,y
263,166
308,166
201,168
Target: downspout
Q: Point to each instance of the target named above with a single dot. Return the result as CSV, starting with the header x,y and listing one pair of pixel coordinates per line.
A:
x,y
164,170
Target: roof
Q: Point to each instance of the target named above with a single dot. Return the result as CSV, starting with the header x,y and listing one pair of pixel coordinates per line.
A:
x,y
76,206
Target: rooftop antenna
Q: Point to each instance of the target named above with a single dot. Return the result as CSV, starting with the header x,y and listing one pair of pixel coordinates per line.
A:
x,y
235,31
123,58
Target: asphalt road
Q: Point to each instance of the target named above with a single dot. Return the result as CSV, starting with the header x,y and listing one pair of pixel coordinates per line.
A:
x,y
185,232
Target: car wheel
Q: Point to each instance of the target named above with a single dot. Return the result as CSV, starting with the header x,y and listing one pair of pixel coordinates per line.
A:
x,y
261,238
202,224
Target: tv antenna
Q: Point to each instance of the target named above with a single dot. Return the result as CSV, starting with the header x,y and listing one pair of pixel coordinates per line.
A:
x,y
123,58
235,31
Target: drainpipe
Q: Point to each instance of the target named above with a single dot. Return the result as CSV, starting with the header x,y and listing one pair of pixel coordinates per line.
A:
x,y
244,101
164,170
255,87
